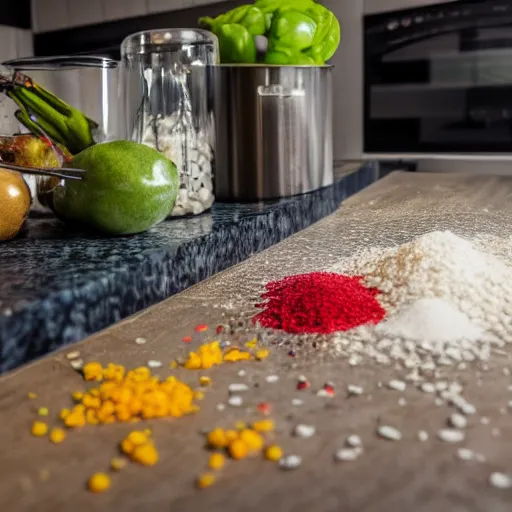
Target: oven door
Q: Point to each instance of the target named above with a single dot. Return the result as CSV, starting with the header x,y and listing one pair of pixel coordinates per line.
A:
x,y
438,79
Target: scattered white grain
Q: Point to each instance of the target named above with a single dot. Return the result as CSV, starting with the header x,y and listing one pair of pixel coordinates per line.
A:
x,y
484,420
346,454
73,355
500,480
77,364
272,378
238,387
423,436
428,387
397,385
140,341
439,401
354,390
458,420
450,435
465,454
324,393
154,364
297,402
304,431
390,433
220,407
354,441
290,462
402,402
242,373
235,401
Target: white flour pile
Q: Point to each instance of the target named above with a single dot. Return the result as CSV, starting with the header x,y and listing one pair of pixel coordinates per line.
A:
x,y
430,321
440,265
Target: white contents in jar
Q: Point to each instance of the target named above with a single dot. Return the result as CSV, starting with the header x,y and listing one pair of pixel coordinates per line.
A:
x,y
191,153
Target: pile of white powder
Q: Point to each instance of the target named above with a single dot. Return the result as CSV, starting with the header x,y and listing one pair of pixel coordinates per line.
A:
x,y
445,266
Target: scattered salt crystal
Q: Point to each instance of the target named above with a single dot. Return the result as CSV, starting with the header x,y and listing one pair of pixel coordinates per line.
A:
x,y
242,373
290,462
484,420
346,454
154,364
304,431
235,401
354,390
324,393
220,407
458,420
438,401
450,435
272,378
428,387
354,441
297,402
423,435
501,480
237,388
402,402
140,341
73,355
397,385
390,433
77,364
465,454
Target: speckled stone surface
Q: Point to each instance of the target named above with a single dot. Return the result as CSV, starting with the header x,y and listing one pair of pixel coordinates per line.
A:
x,y
58,286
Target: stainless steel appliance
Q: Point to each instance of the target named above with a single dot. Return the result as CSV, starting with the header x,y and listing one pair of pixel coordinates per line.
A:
x,y
438,84
273,130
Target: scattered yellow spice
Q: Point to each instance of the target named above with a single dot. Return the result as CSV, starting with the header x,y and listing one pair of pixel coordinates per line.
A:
x,y
205,381
252,343
99,482
173,365
216,461
207,356
235,354
43,411
64,413
262,354
206,480
198,395
217,438
274,453
117,463
77,396
31,395
39,428
240,425
93,371
238,449
263,425
145,454
57,435
252,439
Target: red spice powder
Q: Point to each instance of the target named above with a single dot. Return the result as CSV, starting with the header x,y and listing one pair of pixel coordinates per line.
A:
x,y
319,302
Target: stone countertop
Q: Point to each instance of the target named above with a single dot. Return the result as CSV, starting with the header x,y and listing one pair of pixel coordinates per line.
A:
x,y
58,286
389,476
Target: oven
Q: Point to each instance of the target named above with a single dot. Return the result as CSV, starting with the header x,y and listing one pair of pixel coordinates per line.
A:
x,y
438,82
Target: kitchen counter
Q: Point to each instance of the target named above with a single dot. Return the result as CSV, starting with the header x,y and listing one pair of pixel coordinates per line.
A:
x,y
57,286
388,476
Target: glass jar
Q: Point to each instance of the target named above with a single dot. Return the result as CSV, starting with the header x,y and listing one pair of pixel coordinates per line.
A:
x,y
168,102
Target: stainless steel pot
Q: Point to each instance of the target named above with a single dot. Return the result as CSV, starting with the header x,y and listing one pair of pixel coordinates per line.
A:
x,y
88,83
273,131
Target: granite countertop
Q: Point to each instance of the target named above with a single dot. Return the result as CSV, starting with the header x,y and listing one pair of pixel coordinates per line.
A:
x,y
58,286
388,476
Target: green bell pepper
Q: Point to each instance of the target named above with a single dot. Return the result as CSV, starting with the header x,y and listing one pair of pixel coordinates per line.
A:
x,y
299,32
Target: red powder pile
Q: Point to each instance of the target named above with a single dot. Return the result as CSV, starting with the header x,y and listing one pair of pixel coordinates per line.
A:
x,y
319,302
